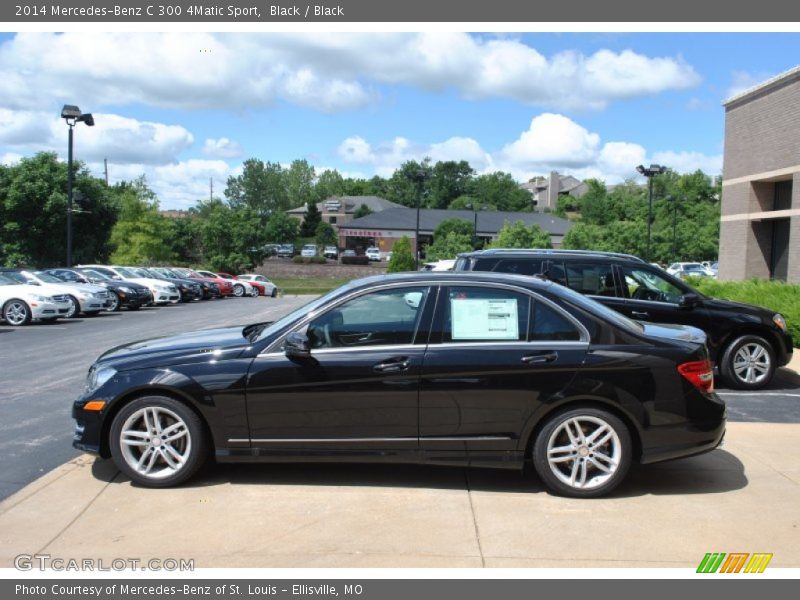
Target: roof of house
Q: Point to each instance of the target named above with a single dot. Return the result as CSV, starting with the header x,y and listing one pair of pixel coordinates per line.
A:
x,y
352,204
765,86
489,222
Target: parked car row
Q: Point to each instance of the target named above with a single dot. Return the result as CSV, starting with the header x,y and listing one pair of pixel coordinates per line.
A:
x,y
49,294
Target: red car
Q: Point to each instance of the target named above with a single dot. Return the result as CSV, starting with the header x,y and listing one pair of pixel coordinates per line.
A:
x,y
225,286
259,287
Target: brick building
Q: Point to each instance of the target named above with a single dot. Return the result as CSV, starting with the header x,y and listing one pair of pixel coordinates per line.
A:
x,y
760,228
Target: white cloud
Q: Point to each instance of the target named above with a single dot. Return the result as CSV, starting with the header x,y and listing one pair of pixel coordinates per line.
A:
x,y
325,72
741,81
222,148
552,142
120,139
10,158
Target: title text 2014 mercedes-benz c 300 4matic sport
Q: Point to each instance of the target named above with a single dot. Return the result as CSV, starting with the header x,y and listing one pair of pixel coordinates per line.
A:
x,y
478,369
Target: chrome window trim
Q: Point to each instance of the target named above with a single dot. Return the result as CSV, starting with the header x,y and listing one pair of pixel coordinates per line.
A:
x,y
430,283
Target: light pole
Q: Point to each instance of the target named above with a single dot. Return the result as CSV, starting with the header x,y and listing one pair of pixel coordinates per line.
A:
x,y
419,176
475,209
650,172
72,114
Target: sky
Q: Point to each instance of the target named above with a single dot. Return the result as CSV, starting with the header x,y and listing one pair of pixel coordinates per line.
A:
x,y
184,108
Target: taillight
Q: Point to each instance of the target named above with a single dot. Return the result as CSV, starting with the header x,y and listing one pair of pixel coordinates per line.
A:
x,y
700,374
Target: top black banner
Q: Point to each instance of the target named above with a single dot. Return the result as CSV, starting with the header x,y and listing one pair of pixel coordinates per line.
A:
x,y
363,11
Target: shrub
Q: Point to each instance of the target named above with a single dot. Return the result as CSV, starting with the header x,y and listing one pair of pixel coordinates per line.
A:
x,y
354,260
297,259
402,257
783,298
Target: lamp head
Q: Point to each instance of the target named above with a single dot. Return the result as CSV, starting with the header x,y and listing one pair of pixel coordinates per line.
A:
x,y
70,112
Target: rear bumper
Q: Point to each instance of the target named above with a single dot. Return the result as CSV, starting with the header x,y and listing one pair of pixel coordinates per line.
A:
x,y
688,439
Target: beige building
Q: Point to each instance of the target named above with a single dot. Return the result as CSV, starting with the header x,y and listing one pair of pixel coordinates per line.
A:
x,y
545,191
760,228
340,210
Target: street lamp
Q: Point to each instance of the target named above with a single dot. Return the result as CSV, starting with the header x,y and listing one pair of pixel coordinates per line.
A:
x,y
650,172
72,114
419,176
475,210
674,200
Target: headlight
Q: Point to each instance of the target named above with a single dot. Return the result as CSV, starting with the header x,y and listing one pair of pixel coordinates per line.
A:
x,y
43,298
779,321
98,377
127,290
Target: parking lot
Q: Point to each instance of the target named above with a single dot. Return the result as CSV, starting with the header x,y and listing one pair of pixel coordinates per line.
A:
x,y
742,497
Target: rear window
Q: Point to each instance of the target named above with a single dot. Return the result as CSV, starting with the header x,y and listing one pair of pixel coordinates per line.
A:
x,y
519,266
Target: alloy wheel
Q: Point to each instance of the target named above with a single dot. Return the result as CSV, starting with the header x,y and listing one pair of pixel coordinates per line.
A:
x,y
752,363
238,291
155,442
74,308
16,313
584,452
114,306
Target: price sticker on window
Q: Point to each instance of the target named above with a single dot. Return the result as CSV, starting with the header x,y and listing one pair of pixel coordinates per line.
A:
x,y
484,319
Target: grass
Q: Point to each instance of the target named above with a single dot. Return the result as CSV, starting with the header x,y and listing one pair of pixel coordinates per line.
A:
x,y
783,298
307,285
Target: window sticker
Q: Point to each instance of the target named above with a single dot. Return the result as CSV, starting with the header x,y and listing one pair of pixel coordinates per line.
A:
x,y
484,319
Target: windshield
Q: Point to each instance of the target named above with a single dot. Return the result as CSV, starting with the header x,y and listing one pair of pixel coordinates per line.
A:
x,y
16,277
125,272
595,308
6,281
298,313
95,274
46,278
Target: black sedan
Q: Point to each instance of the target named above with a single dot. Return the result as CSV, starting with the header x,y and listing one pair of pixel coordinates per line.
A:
x,y
478,369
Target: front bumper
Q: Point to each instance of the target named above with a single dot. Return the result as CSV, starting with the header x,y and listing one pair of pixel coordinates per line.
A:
x,y
87,436
48,310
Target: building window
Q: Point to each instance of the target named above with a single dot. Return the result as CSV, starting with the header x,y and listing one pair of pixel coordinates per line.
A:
x,y
783,195
332,220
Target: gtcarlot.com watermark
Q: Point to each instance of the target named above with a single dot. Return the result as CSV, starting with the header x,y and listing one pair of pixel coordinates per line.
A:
x,y
44,562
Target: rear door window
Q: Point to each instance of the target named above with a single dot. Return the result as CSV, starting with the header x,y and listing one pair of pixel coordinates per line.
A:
x,y
591,279
519,266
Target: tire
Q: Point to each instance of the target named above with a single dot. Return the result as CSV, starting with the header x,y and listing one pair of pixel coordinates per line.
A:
x,y
49,320
238,291
274,292
568,465
748,363
92,313
16,312
112,295
254,292
75,310
157,466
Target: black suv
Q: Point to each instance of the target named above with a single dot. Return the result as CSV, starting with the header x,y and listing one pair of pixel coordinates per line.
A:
x,y
746,342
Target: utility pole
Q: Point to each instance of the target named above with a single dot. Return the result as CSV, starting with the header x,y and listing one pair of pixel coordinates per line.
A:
x,y
211,189
105,169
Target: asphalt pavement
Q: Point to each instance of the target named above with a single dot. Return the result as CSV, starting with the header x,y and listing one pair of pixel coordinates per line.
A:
x,y
44,369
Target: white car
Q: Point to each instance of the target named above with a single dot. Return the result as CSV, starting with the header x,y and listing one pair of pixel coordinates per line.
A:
x,y
20,303
163,291
309,250
687,269
270,289
446,264
373,254
82,298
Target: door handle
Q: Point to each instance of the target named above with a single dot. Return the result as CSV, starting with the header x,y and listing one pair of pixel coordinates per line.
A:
x,y
535,359
395,365
640,314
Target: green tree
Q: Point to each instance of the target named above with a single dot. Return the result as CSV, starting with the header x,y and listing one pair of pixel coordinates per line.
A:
x,y
500,191
299,179
455,225
141,236
329,183
402,257
33,213
362,211
594,204
231,237
404,186
261,187
518,235
324,235
186,239
449,180
281,229
448,246
312,218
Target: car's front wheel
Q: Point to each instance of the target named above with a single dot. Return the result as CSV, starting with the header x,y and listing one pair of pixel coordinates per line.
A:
x,y
113,301
582,453
238,291
74,307
16,312
157,441
748,363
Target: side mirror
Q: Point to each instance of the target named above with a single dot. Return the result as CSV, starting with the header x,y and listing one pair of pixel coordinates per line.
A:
x,y
689,300
32,282
297,345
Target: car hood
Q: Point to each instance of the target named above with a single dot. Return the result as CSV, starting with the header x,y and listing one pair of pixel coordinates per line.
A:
x,y
750,309
684,333
226,341
86,287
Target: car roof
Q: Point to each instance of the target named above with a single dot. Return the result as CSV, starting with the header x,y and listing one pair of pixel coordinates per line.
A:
x,y
547,252
446,277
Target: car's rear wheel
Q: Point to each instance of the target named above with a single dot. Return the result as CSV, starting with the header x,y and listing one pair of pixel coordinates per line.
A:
x,y
157,441
254,292
74,307
274,292
748,363
238,291
16,312
582,453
